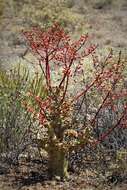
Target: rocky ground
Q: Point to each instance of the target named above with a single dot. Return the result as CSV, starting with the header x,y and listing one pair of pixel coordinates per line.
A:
x,y
105,22
33,176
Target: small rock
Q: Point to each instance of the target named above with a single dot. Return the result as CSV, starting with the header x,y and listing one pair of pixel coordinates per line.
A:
x,y
53,183
57,178
39,185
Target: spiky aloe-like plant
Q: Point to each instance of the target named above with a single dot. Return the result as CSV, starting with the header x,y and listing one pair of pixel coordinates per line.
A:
x,y
58,56
15,122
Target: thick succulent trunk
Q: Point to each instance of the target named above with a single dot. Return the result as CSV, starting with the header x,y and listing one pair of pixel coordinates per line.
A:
x,y
58,164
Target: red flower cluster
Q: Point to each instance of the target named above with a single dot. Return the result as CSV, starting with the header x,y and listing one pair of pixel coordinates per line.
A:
x,y
55,47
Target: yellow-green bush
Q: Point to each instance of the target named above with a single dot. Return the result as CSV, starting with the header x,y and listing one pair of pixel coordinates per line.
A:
x,y
15,122
2,4
44,13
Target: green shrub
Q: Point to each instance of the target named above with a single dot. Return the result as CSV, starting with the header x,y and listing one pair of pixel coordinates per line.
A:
x,y
15,122
2,4
102,4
